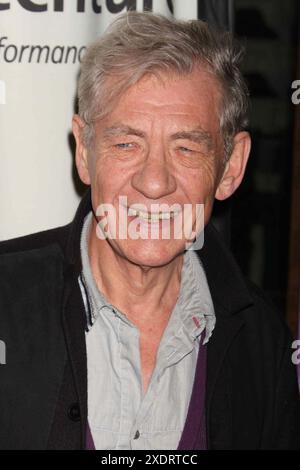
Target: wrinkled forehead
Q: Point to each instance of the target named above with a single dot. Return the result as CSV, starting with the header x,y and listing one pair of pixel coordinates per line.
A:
x,y
164,87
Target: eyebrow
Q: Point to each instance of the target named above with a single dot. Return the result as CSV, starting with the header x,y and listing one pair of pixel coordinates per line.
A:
x,y
198,135
122,130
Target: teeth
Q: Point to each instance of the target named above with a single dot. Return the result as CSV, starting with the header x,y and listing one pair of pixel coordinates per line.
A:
x,y
150,216
144,215
132,211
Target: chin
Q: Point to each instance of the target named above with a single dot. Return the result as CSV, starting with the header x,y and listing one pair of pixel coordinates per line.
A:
x,y
151,253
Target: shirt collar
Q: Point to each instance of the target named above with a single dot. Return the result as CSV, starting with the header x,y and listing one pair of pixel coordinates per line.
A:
x,y
193,311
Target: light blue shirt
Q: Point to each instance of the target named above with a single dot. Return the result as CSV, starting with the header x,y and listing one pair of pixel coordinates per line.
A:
x,y
120,415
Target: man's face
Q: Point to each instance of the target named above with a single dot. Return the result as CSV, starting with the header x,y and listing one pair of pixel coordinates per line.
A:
x,y
161,144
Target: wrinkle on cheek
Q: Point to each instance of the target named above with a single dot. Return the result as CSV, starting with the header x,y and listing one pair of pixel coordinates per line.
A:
x,y
207,181
209,169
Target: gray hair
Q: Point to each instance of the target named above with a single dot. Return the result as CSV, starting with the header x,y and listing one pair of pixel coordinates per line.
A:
x,y
139,43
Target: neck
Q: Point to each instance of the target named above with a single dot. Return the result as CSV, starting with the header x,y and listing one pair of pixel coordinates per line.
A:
x,y
141,292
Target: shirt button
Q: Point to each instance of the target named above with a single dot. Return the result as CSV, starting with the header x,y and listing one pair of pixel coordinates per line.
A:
x,y
137,435
74,412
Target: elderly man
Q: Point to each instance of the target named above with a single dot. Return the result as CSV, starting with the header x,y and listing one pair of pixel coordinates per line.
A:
x,y
119,333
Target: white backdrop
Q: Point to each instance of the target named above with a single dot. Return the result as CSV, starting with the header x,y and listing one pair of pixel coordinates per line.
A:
x,y
39,61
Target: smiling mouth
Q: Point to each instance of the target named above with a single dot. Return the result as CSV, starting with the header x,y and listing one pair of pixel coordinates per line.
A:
x,y
152,216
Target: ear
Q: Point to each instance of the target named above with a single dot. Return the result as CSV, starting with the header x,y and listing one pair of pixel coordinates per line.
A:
x,y
235,167
81,155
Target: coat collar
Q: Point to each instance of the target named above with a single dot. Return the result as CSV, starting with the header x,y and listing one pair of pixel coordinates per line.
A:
x,y
73,242
225,279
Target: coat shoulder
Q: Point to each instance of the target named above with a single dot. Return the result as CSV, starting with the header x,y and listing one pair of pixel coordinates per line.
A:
x,y
58,235
31,266
263,302
268,319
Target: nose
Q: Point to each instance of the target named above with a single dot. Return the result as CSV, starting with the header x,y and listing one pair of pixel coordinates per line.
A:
x,y
154,178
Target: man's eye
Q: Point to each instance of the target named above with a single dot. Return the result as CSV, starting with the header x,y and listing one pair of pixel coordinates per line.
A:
x,y
125,145
185,150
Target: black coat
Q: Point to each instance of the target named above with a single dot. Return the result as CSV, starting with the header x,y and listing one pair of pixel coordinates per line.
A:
x,y
252,400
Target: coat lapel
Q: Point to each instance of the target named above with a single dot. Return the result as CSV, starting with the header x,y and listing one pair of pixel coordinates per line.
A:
x,y
230,296
74,318
225,331
74,329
